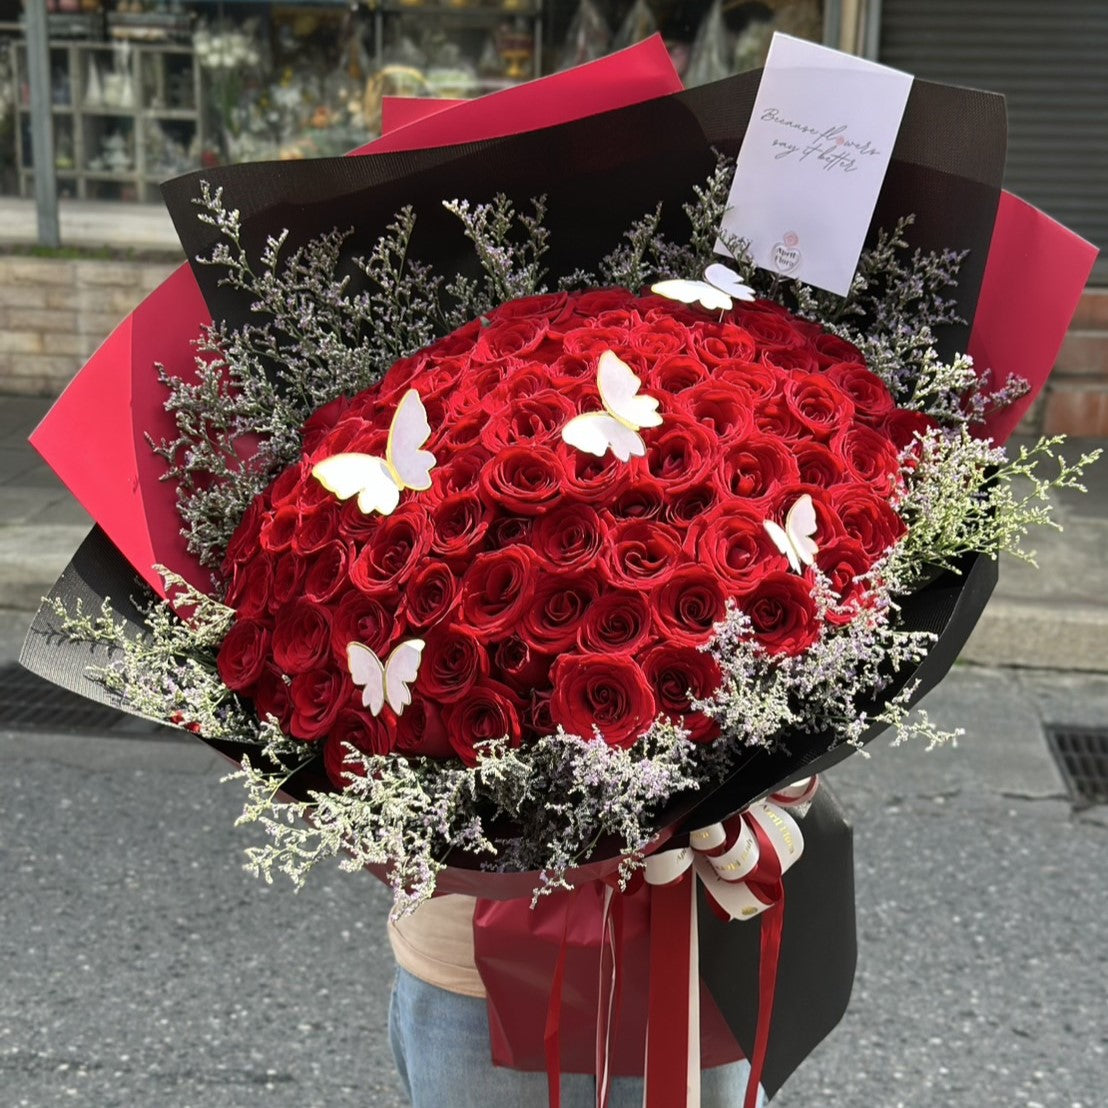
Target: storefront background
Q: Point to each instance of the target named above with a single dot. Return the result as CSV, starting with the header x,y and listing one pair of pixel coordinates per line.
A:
x,y
143,90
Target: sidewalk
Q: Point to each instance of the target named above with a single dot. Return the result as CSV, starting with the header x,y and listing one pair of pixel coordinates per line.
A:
x,y
1053,617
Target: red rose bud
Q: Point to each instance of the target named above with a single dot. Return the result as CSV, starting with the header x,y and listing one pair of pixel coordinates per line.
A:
x,y
783,613
569,536
688,605
317,696
640,553
452,661
421,732
678,675
675,373
327,572
363,619
681,454
497,589
608,691
430,595
301,637
557,608
520,666
870,457
722,408
866,517
243,655
871,396
753,467
842,561
395,549
489,711
523,479
734,544
458,524
821,407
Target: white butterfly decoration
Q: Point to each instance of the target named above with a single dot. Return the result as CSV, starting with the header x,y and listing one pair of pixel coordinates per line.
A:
x,y
794,540
388,682
716,292
379,481
625,413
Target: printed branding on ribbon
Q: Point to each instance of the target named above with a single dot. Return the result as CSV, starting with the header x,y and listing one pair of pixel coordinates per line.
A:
x,y
813,161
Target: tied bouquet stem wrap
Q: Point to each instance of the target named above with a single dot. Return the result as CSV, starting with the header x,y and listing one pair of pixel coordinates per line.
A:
x,y
501,569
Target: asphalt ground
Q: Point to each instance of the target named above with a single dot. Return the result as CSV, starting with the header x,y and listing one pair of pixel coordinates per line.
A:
x,y
140,965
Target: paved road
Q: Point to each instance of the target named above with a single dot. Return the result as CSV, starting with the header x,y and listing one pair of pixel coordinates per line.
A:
x,y
141,966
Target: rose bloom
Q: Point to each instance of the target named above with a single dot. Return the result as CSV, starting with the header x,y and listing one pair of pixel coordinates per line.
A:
x,y
642,500
753,467
871,396
452,661
818,466
519,665
692,504
598,481
734,544
496,590
302,637
317,696
608,691
523,479
821,407
618,623
688,605
363,619
724,409
842,561
640,553
489,711
569,536
559,603
397,546
421,731
681,454
783,613
430,595
678,675
328,572
354,726
243,654
870,457
675,373
458,524
869,518
251,589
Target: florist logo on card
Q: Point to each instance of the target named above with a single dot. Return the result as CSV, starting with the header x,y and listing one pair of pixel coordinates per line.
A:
x,y
786,253
830,146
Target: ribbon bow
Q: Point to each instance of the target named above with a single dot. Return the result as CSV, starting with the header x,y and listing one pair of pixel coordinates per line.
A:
x,y
740,863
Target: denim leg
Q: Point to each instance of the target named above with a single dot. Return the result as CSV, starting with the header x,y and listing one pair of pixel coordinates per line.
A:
x,y
440,1042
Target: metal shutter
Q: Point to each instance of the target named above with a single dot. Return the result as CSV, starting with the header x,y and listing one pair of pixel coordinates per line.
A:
x,y
1050,59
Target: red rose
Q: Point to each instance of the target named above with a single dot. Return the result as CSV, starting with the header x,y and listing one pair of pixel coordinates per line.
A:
x,y
770,325
278,529
608,691
783,613
317,696
355,727
287,581
421,731
692,504
430,595
721,408
757,379
723,343
315,530
496,590
828,524
592,303
618,623
569,536
688,605
559,603
590,342
322,420
871,396
904,426
536,419
523,479
302,637
393,551
754,467
842,561
250,591
328,572
452,661
641,553
870,457
679,675
866,517
642,500
817,465
791,359
774,417
550,306
821,407
489,711
675,373
652,342
519,666
271,697
458,524
242,655
735,545
508,531
363,619
830,349
680,454
596,480
507,338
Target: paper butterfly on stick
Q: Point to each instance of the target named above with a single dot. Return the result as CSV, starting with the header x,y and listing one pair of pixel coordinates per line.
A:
x,y
720,287
388,682
625,413
379,481
794,540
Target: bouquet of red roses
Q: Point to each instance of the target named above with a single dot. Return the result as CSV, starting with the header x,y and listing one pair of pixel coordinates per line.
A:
x,y
519,538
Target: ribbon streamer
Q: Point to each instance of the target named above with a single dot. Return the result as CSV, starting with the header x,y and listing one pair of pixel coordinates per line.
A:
x,y
741,864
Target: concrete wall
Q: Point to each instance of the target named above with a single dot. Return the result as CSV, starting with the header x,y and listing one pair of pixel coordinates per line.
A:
x,y
54,314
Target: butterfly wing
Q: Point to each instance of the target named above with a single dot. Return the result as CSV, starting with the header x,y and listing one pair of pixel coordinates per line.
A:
x,y
401,670
363,474
619,390
728,282
782,542
693,292
368,674
598,432
408,432
800,524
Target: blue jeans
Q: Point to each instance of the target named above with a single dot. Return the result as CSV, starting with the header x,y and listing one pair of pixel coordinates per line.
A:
x,y
440,1042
